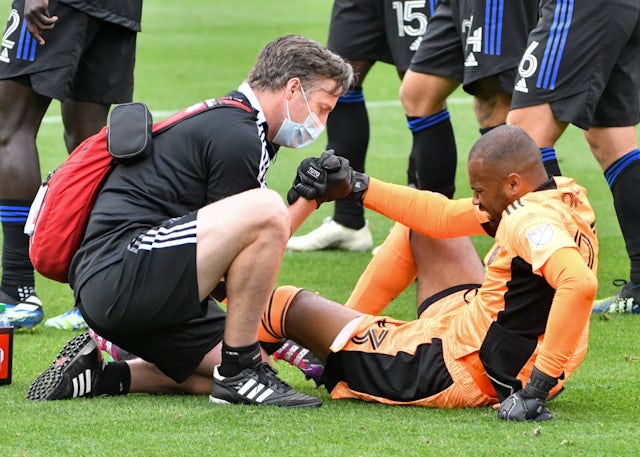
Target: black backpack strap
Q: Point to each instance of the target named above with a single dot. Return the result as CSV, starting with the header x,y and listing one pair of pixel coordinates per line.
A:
x,y
198,108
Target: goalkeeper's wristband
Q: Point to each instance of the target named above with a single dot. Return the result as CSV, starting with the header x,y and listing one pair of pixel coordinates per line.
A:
x,y
540,384
359,185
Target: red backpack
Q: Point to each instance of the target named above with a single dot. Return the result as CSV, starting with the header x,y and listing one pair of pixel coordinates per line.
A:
x,y
60,212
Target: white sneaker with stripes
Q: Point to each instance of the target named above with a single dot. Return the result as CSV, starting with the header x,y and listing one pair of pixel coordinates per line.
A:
x,y
259,385
73,374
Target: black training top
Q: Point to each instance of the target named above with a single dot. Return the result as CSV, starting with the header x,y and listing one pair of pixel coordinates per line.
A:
x,y
210,156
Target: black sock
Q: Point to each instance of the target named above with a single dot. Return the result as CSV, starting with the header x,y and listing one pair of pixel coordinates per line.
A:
x,y
348,136
550,161
270,348
234,360
349,214
115,379
434,153
624,180
17,271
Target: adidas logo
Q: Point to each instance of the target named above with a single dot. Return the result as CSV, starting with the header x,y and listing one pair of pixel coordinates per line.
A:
x,y
4,55
471,61
521,86
416,44
255,391
82,384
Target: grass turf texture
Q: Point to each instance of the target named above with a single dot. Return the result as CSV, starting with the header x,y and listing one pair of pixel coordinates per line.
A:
x,y
200,49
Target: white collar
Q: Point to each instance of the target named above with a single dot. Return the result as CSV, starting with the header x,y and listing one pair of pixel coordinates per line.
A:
x,y
246,89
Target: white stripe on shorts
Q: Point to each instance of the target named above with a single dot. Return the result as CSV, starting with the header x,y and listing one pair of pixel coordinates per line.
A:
x,y
168,237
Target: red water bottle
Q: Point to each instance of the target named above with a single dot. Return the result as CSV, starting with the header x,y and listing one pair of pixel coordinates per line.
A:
x,y
6,346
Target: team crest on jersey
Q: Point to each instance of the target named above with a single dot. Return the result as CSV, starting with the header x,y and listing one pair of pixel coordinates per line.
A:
x,y
373,337
541,236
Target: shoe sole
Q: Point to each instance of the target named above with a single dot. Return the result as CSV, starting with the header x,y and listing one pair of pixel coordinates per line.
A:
x,y
237,399
46,384
240,400
25,324
65,327
219,401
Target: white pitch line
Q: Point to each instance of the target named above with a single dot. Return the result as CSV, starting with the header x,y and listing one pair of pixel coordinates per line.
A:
x,y
375,104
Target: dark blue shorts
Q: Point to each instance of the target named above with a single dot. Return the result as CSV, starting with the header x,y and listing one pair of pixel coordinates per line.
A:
x,y
378,30
83,58
583,59
469,40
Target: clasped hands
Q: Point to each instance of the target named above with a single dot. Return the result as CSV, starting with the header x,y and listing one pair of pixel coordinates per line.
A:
x,y
327,178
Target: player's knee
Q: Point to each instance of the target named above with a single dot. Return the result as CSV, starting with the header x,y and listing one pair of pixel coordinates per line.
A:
x,y
420,103
274,214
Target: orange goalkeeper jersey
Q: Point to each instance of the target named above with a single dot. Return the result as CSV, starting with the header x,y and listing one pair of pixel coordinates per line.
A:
x,y
506,323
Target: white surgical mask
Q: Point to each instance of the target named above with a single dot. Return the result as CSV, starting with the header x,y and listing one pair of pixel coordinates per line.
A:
x,y
295,135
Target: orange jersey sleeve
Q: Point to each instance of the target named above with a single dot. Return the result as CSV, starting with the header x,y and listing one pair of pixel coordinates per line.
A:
x,y
576,286
426,212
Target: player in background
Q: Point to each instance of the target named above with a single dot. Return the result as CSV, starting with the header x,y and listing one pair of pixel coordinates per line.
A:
x,y
582,67
363,32
82,54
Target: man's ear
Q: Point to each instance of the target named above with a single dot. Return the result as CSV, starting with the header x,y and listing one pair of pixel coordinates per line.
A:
x,y
514,183
291,87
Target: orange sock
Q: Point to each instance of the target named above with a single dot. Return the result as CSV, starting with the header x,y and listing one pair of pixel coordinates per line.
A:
x,y
272,325
388,274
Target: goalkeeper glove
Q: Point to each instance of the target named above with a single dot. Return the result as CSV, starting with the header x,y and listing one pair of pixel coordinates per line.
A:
x,y
358,183
529,403
321,179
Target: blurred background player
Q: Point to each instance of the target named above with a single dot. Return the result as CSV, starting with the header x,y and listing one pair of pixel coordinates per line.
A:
x,y
363,32
476,43
82,54
582,67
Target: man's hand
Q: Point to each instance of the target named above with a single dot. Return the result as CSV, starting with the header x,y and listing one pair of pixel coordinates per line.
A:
x,y
529,403
322,179
36,12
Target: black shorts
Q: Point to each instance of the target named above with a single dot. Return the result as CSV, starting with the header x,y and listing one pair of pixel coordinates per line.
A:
x,y
469,40
83,58
403,377
148,303
378,30
584,59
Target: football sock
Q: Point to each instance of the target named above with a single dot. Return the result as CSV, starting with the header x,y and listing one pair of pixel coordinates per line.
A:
x,y
550,161
348,136
387,275
623,177
272,326
17,271
349,214
412,173
434,153
236,359
115,379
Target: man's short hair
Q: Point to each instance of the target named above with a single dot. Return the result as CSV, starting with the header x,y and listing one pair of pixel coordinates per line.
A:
x,y
294,56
